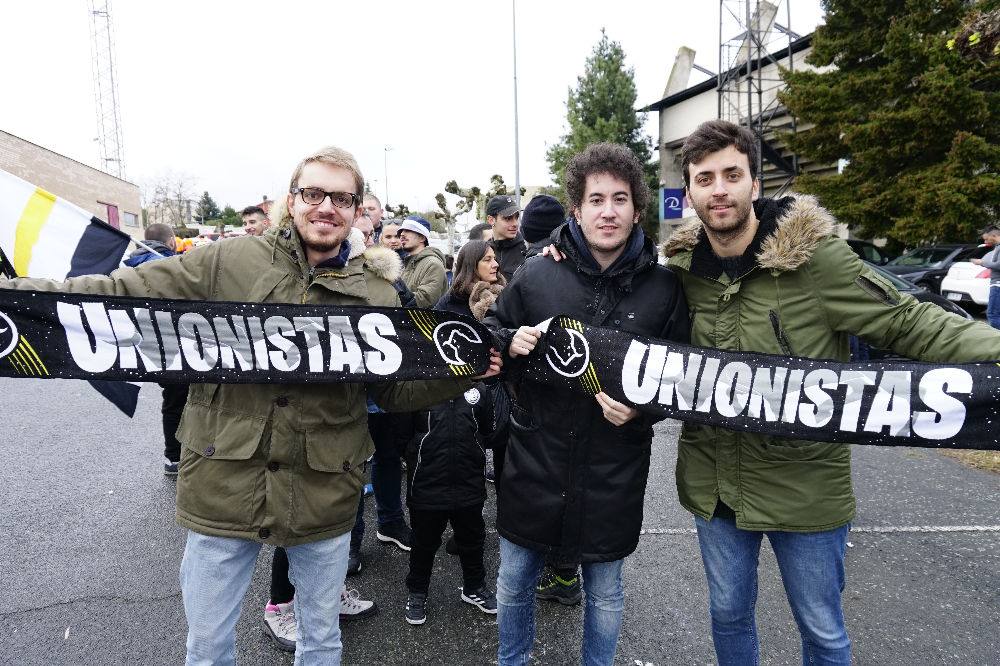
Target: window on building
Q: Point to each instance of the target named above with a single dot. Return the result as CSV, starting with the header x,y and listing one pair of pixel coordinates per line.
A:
x,y
130,219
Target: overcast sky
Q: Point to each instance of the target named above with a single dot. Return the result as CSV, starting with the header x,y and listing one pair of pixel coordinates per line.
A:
x,y
235,93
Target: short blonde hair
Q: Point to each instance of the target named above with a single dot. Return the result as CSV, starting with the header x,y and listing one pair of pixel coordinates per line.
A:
x,y
331,155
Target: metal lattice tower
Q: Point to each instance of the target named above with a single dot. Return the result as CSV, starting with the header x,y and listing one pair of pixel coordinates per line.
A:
x,y
751,41
109,126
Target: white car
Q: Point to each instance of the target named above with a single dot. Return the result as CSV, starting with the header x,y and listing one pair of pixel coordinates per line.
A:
x,y
966,283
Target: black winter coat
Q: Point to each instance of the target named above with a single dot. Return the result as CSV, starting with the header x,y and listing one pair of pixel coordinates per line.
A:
x,y
447,455
510,254
573,483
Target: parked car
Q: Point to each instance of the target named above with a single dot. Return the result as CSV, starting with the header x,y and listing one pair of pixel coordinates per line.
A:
x,y
862,351
869,251
966,283
927,266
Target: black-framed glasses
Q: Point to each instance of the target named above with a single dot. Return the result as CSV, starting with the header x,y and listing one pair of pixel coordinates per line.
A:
x,y
314,196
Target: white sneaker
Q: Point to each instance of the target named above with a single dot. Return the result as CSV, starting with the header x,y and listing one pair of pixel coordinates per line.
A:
x,y
353,607
279,620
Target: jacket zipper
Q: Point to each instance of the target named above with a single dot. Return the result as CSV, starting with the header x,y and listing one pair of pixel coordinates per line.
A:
x,y
779,333
874,290
420,452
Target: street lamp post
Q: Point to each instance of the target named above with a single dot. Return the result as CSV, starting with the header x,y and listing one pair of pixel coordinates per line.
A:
x,y
517,165
385,173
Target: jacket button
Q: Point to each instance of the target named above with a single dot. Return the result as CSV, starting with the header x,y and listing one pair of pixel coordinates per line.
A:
x,y
273,466
263,533
347,466
209,451
281,402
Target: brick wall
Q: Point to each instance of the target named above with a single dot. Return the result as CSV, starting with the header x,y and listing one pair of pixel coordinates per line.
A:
x,y
73,181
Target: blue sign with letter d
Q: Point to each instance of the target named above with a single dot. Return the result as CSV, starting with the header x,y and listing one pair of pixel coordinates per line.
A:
x,y
671,203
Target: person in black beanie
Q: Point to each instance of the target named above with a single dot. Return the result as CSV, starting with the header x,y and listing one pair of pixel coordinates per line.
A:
x,y
541,216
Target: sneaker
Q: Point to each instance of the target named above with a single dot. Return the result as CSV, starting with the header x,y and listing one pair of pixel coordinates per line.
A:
x,y
483,599
416,608
491,476
353,607
451,546
397,533
354,560
552,587
279,622
169,468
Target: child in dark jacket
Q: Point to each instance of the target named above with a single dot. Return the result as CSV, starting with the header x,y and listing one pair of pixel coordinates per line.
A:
x,y
446,460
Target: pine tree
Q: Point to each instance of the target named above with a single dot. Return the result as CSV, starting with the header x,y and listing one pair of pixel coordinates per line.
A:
x,y
602,108
207,209
912,109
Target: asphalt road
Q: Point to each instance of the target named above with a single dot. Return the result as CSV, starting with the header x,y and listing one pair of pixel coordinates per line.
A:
x,y
91,554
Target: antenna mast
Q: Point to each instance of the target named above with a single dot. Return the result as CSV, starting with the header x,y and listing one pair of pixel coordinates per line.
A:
x,y
109,127
752,40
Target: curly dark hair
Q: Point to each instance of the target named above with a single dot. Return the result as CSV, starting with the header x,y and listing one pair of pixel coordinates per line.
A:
x,y
715,135
610,158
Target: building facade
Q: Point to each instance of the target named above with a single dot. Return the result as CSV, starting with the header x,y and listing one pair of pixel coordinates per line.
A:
x,y
111,199
684,107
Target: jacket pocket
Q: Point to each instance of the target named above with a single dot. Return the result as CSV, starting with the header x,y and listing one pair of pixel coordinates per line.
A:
x,y
213,433
878,288
338,449
521,419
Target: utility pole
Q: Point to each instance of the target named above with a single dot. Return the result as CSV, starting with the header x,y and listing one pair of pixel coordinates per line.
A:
x,y
385,174
109,128
517,163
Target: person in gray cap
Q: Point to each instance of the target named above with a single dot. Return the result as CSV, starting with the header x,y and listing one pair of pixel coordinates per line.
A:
x,y
504,215
423,267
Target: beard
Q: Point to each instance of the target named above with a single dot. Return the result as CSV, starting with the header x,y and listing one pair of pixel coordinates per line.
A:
x,y
727,229
313,239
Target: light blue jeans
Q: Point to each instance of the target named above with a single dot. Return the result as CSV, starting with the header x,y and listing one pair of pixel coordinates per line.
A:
x,y
215,575
993,306
812,571
602,616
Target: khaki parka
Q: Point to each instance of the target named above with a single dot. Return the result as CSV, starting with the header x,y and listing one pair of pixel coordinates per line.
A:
x,y
278,463
424,275
805,294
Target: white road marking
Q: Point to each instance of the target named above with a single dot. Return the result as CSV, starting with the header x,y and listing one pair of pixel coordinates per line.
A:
x,y
861,529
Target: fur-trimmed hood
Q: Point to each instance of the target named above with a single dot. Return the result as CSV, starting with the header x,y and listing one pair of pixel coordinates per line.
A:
x,y
380,260
801,225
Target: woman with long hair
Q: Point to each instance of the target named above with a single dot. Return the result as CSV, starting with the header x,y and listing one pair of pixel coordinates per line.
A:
x,y
446,460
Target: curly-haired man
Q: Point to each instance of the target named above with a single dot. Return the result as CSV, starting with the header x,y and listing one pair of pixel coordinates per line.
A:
x,y
573,484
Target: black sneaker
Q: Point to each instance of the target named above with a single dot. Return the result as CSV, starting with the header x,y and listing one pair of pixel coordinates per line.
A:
x,y
169,468
451,546
483,599
416,612
354,560
553,587
397,533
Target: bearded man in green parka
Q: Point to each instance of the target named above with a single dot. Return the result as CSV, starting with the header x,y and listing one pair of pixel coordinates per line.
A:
x,y
276,464
768,275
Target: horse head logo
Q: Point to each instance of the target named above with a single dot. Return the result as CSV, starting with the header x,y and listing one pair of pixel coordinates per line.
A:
x,y
8,335
456,341
568,352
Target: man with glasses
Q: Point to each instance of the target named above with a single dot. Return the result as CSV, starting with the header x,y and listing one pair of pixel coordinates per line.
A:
x,y
279,464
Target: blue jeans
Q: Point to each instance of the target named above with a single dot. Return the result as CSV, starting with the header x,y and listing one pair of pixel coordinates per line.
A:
x,y
386,474
812,571
602,616
993,306
215,574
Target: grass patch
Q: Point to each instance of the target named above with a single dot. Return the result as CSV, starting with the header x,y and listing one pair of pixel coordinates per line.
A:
x,y
988,460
